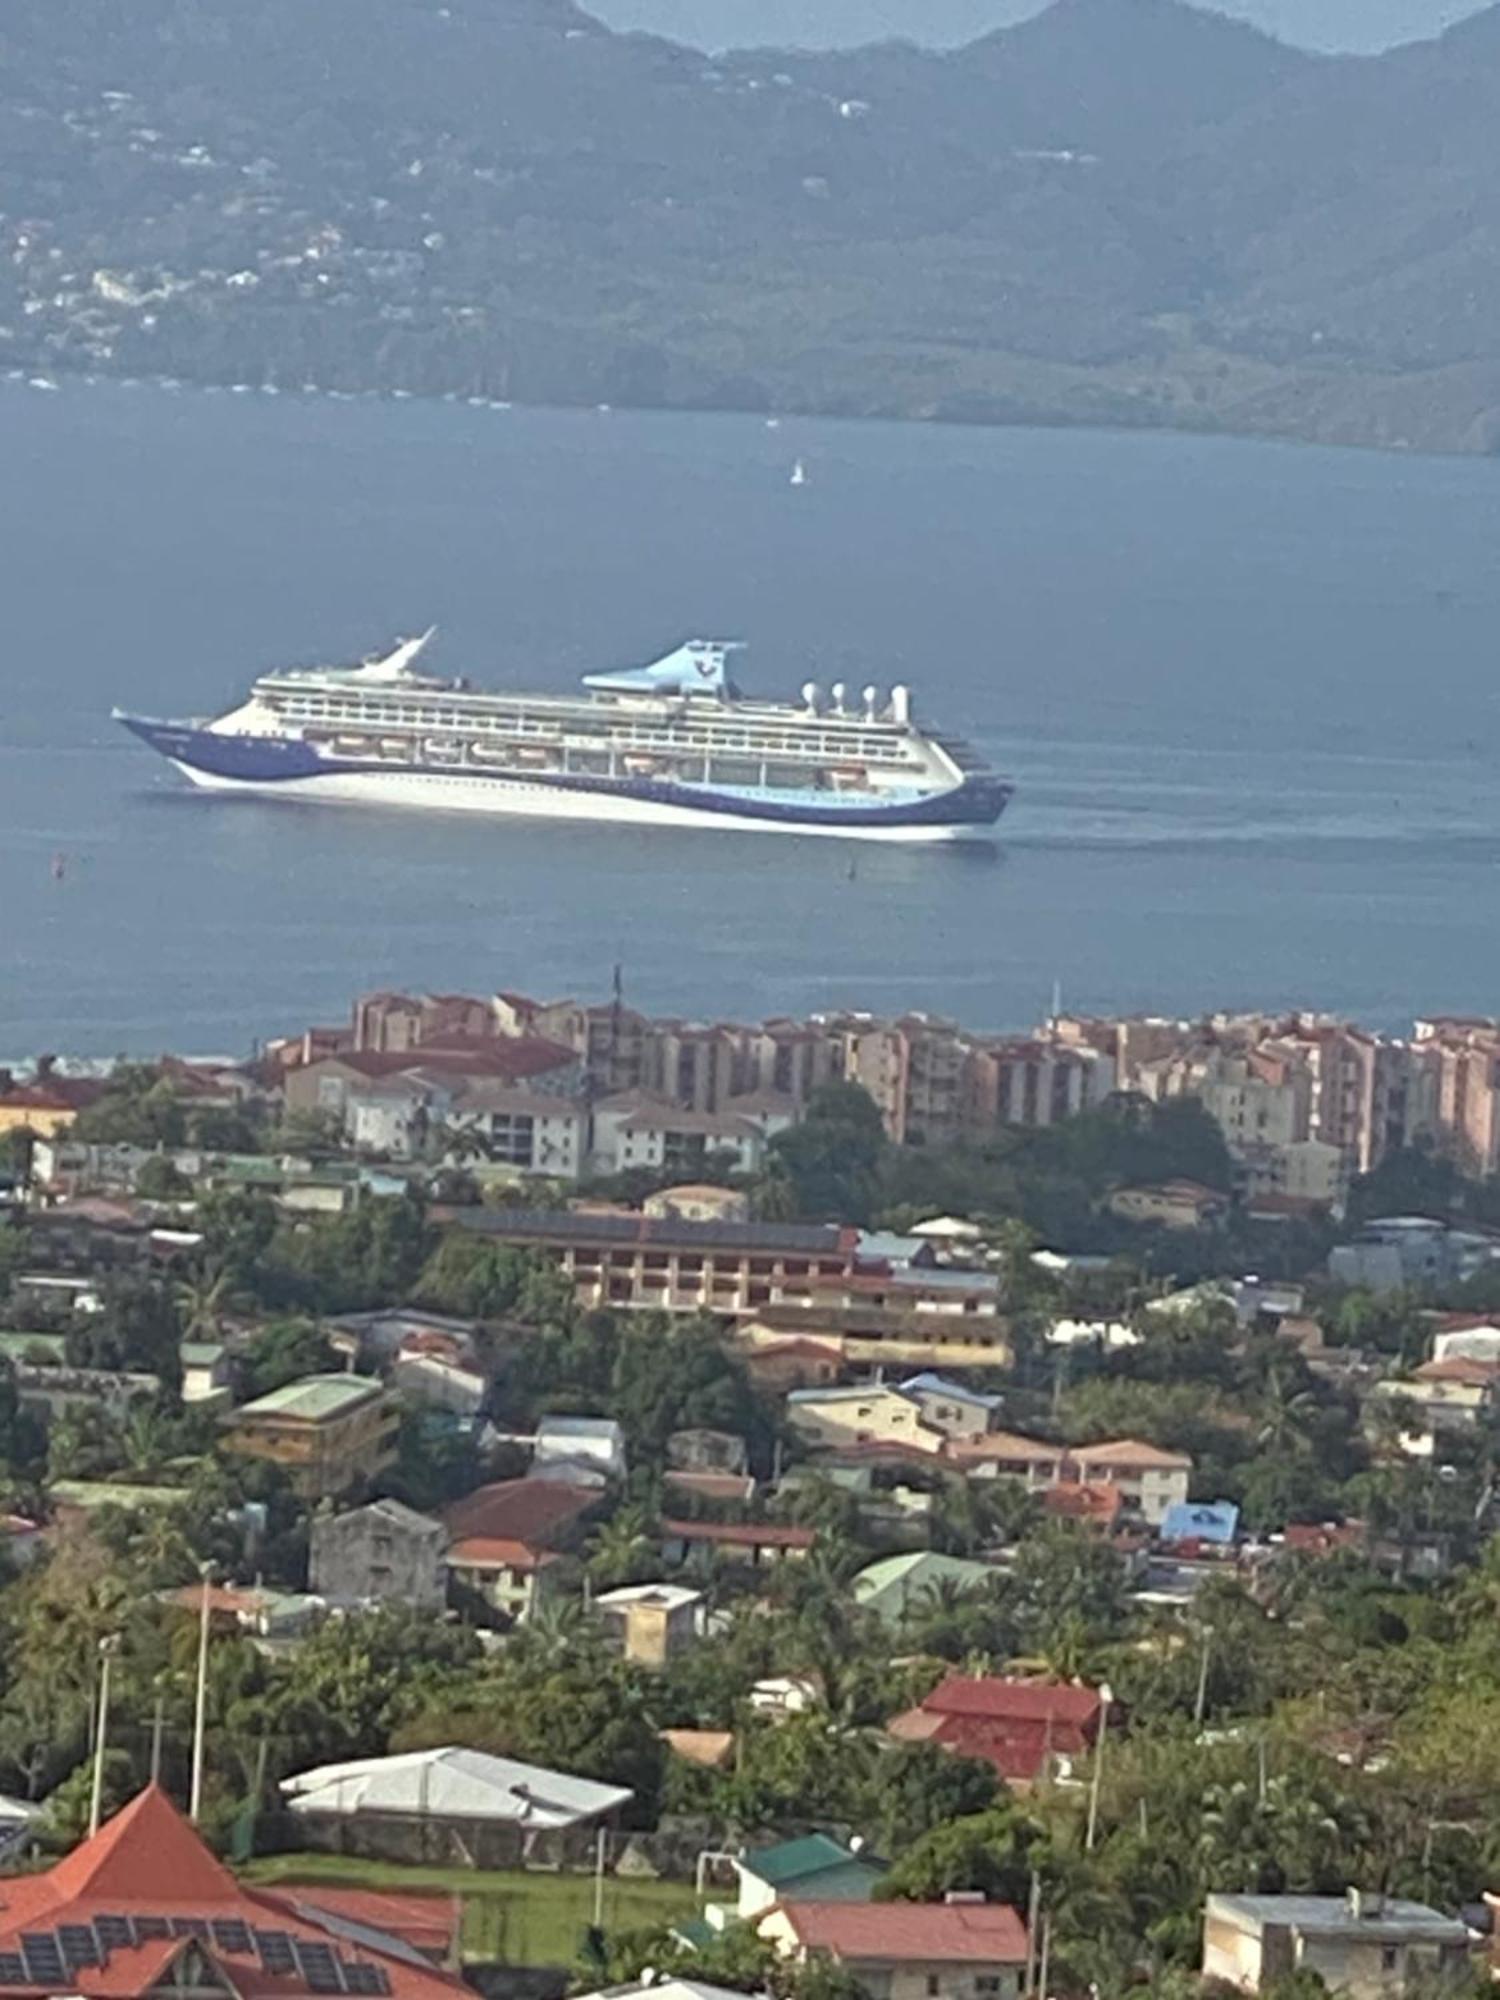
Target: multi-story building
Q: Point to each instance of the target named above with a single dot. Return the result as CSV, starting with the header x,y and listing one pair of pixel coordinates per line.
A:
x,y
638,1130
1362,1945
385,1553
330,1434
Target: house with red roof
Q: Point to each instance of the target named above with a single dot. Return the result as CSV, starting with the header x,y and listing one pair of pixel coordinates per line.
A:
x,y
1026,1730
510,1540
144,1911
962,1949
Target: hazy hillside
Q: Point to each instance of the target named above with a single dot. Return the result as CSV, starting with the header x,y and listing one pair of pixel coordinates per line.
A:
x,y
1123,210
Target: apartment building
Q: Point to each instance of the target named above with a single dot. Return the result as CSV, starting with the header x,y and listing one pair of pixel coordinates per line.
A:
x,y
330,1434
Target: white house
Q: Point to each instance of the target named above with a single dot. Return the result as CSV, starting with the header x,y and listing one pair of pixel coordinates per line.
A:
x,y
635,1129
579,1450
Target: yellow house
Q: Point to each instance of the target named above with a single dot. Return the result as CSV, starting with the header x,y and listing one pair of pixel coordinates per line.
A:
x,y
45,1108
834,1419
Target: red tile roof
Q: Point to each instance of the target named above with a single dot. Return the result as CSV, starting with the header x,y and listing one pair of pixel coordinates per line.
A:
x,y
499,1552
148,1866
741,1534
1079,1500
1031,1701
1017,1727
426,1923
911,1933
1462,1369
533,1511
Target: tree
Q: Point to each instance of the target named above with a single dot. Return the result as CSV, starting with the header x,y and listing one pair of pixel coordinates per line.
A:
x,y
283,1351
992,1852
833,1157
159,1180
914,1788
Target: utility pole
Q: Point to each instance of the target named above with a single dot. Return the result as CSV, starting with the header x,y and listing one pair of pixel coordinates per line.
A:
x,y
158,1724
107,1649
1105,1698
1033,1914
1200,1705
601,1850
1042,1972
200,1704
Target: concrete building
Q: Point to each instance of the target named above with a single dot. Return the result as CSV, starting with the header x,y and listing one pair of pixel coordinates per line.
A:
x,y
385,1553
328,1433
651,1623
1360,1945
833,1419
952,1407
640,1131
1170,1205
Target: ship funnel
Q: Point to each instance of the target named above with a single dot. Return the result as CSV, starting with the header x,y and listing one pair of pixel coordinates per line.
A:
x,y
901,704
810,696
871,699
838,691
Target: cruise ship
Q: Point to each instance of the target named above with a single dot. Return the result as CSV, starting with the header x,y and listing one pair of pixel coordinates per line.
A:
x,y
673,743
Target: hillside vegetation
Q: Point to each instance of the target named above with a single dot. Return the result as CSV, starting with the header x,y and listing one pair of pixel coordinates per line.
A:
x,y
1122,211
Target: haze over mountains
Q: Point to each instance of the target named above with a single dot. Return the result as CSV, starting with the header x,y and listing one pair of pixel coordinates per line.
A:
x,y
1361,26
1122,211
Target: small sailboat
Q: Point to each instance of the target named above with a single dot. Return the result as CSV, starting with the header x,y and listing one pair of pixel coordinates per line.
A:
x,y
799,474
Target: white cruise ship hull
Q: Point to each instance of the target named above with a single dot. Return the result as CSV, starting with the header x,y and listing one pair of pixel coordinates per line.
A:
x,y
438,791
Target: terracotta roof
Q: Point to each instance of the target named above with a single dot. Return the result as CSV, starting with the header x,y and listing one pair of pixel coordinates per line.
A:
x,y
712,1748
534,1511
993,1696
911,1933
426,1923
1080,1500
1130,1451
498,1552
147,1870
741,1534
1005,1445
1459,1368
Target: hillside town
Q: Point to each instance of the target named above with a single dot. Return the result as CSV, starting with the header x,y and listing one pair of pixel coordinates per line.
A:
x,y
528,1496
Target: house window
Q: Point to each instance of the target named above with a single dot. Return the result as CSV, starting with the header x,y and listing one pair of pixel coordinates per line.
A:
x,y
934,1986
989,1983
1390,1958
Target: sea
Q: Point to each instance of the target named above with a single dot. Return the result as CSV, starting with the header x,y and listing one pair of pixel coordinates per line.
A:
x,y
1249,694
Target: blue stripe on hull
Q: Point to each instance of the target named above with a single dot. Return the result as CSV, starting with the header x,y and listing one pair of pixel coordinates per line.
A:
x,y
263,760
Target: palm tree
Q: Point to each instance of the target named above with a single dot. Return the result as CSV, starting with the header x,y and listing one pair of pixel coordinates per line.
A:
x,y
622,1550
202,1300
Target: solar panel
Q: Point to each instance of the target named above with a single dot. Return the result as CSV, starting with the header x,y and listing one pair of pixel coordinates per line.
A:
x,y
12,1969
79,1946
44,1962
360,1976
275,1948
151,1927
196,1927
231,1934
116,1931
320,1967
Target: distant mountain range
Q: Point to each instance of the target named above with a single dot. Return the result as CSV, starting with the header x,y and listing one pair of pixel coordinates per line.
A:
x,y
1121,211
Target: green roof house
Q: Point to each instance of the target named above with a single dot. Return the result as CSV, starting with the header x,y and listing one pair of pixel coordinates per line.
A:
x,y
897,1587
813,1869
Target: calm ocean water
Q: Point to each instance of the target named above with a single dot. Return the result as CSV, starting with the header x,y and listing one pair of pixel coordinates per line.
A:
x,y
1250,694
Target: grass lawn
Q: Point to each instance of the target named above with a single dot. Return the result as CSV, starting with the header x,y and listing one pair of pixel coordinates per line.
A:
x,y
522,1919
